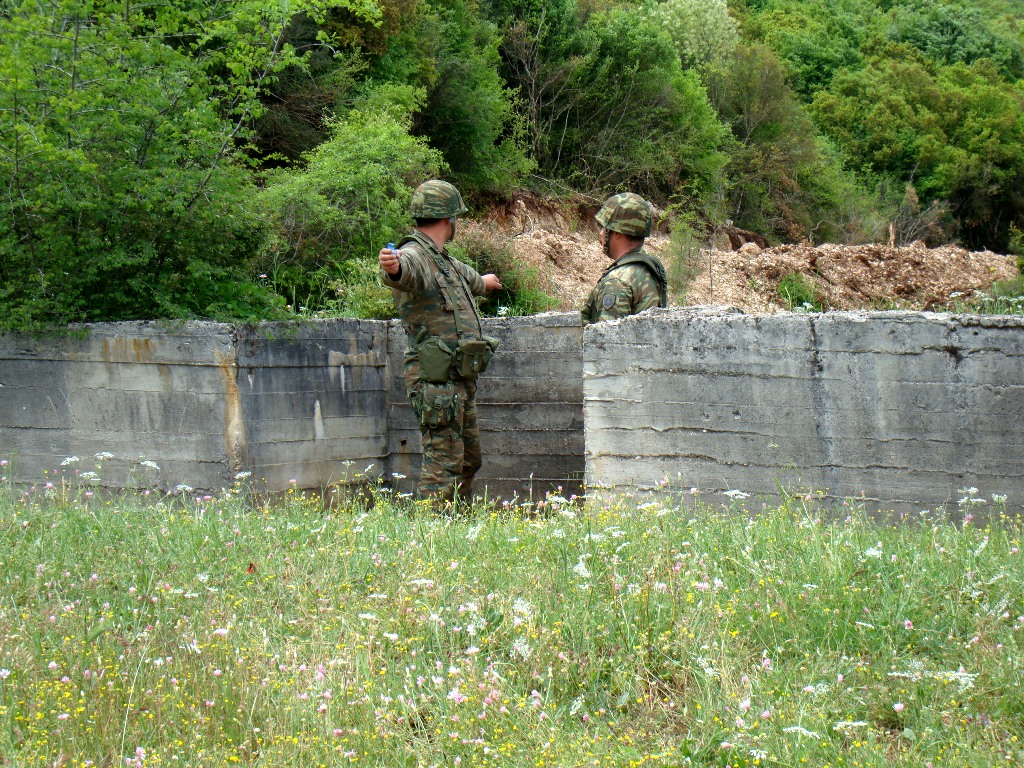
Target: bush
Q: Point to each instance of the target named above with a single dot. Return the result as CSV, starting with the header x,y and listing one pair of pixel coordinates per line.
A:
x,y
522,291
331,217
799,293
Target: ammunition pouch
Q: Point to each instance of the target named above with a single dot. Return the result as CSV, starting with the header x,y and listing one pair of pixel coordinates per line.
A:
x,y
435,404
436,359
473,355
439,362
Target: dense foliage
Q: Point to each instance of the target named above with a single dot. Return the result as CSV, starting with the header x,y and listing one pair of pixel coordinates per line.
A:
x,y
156,161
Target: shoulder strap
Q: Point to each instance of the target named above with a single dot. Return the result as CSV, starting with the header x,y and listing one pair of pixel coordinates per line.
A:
x,y
653,266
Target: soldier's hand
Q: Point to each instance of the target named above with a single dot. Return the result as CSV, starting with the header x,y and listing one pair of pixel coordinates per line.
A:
x,y
491,282
389,261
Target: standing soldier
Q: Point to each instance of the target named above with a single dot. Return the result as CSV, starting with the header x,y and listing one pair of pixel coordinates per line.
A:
x,y
445,345
636,280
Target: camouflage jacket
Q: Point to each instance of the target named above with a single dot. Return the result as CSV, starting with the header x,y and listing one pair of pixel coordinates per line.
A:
x,y
434,297
635,282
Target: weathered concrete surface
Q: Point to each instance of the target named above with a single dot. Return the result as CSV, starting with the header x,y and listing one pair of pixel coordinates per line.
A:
x,y
319,404
900,409
529,403
139,391
313,400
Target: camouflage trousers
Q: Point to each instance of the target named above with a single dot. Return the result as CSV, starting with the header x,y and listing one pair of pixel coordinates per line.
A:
x,y
450,436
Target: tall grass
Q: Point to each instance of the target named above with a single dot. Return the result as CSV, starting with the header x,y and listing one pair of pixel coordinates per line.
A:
x,y
219,630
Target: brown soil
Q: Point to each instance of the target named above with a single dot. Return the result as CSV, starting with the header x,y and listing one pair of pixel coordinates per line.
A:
x,y
560,242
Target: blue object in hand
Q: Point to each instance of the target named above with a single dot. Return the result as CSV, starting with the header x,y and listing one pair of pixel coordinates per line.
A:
x,y
391,246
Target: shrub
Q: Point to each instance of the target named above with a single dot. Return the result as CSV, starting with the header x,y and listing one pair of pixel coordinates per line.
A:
x,y
799,293
331,217
522,291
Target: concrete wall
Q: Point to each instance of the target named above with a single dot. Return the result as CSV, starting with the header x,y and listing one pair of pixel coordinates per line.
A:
x,y
315,403
138,391
901,409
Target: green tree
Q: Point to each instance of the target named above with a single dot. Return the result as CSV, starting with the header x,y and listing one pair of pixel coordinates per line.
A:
x,y
641,122
815,38
330,216
702,30
123,186
785,180
956,132
952,34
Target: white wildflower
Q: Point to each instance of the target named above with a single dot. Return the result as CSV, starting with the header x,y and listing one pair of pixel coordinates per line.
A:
x,y
70,460
849,725
580,569
522,608
521,648
802,731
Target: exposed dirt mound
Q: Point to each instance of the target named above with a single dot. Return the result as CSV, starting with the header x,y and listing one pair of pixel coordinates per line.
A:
x,y
560,241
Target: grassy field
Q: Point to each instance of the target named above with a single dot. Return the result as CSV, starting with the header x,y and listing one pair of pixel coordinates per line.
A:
x,y
223,631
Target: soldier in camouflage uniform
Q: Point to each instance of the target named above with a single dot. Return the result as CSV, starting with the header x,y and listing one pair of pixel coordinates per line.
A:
x,y
445,345
636,280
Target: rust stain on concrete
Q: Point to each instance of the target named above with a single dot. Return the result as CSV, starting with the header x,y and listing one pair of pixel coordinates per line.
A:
x,y
123,350
236,442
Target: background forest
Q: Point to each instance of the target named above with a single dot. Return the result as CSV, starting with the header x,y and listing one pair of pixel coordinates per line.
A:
x,y
246,160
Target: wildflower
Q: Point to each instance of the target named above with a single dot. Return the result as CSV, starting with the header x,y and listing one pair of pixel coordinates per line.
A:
x,y
802,731
149,464
521,648
908,624
736,495
70,460
849,725
455,695
221,632
4,674
898,706
580,569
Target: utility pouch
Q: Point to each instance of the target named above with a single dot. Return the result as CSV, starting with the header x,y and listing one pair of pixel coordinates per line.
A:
x,y
435,404
436,360
469,358
472,356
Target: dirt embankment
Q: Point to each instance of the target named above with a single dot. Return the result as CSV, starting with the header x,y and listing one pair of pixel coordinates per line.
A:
x,y
560,242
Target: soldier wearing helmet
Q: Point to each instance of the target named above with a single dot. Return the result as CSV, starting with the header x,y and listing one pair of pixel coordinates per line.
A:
x,y
636,280
445,345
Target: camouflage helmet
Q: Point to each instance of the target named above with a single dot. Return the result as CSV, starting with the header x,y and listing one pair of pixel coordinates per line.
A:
x,y
436,199
626,213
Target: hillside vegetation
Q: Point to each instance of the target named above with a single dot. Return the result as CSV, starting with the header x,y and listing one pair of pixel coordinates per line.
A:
x,y
246,161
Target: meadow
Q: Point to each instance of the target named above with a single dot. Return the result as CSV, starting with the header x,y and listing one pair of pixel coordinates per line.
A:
x,y
232,629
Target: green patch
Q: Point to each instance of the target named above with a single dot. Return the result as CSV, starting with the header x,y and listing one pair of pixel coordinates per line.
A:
x,y
799,293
